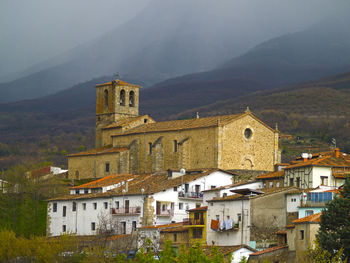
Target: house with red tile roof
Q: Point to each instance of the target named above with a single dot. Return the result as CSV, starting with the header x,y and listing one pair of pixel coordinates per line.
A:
x,y
327,170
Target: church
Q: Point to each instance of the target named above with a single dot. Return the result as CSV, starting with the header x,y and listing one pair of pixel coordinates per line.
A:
x,y
127,143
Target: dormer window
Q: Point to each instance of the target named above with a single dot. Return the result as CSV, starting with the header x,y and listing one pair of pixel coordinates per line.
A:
x,y
132,99
122,97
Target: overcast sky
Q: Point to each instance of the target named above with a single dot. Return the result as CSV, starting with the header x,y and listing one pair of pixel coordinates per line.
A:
x,y
32,30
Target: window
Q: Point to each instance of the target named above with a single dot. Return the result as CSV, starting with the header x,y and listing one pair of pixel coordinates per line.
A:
x,y
197,232
122,97
86,191
74,207
84,206
64,213
270,184
123,227
213,186
163,207
175,237
95,205
277,184
105,100
302,234
107,167
224,194
117,204
187,187
134,225
309,212
196,215
145,120
291,181
175,146
175,189
324,180
150,148
248,133
77,192
54,207
181,206
132,99
298,181
64,228
93,226
106,205
239,217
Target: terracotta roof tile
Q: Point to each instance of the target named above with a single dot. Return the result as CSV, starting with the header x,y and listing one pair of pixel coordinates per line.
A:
x,y
225,250
125,122
316,218
271,175
202,208
98,151
205,122
175,229
268,250
106,181
290,226
324,159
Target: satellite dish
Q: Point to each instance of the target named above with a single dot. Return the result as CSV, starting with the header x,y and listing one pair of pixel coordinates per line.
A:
x,y
182,170
304,155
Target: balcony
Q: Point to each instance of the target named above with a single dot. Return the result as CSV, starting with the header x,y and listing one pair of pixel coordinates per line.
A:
x,y
126,210
193,222
190,195
313,203
166,212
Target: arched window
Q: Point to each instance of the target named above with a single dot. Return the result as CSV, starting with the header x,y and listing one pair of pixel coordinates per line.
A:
x,y
122,97
106,99
132,99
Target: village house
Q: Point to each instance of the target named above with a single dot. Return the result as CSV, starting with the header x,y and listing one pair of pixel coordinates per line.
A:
x,y
249,216
126,202
327,169
197,225
127,143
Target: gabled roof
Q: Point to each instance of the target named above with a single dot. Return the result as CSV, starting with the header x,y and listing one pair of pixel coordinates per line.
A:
x,y
316,218
119,83
268,250
225,250
125,122
272,175
202,208
327,159
98,151
204,122
106,181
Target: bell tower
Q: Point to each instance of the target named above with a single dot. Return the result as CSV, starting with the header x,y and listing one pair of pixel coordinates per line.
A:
x,y
115,100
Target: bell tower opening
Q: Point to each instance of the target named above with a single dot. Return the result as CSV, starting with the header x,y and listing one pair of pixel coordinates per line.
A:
x,y
115,100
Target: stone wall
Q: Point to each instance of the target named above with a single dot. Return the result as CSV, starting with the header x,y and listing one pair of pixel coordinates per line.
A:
x,y
93,166
239,151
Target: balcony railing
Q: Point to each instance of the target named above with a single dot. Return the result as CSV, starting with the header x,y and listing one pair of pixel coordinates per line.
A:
x,y
126,210
192,221
313,204
167,212
190,195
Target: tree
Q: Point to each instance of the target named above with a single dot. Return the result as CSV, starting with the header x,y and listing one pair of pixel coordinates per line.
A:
x,y
334,231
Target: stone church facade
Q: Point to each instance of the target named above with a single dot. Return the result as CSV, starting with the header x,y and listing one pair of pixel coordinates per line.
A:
x,y
129,143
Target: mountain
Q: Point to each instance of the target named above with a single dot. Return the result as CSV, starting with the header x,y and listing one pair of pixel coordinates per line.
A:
x,y
167,39
322,50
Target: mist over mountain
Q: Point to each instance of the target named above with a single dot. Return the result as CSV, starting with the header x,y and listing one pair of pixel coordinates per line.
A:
x,y
167,39
323,49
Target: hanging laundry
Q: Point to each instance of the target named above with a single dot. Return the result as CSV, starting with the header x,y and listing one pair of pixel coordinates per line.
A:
x,y
214,225
228,224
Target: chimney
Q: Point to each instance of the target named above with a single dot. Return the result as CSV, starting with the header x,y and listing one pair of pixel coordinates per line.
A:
x,y
336,152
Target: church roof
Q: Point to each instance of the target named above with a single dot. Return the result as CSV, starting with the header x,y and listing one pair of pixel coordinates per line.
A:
x,y
118,82
205,122
125,122
97,151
